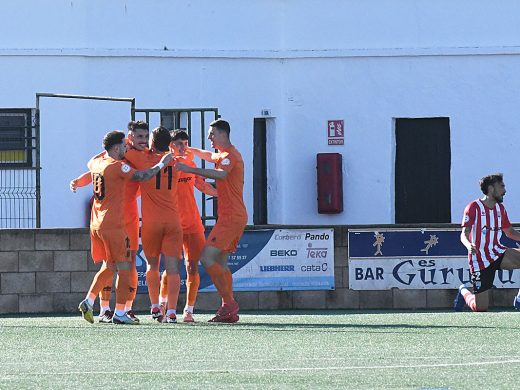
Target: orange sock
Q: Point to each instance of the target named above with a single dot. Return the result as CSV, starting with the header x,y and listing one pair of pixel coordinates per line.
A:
x,y
153,281
102,278
164,287
218,276
123,286
133,287
106,293
192,288
228,298
174,285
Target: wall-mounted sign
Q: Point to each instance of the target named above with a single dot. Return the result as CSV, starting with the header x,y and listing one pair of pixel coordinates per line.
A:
x,y
336,132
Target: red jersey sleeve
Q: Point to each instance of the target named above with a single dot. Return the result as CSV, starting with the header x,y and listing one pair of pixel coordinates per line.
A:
x,y
469,215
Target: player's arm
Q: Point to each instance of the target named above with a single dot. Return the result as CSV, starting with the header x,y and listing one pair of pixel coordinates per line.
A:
x,y
512,233
80,181
217,174
205,187
101,154
147,174
464,238
201,153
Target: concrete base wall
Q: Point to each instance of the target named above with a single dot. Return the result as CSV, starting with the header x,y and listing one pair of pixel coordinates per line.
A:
x,y
50,270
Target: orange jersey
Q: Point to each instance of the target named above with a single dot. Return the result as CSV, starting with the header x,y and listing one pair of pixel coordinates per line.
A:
x,y
159,194
130,200
131,194
189,212
109,178
230,190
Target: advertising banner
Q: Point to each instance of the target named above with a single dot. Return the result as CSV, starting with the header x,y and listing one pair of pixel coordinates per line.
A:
x,y
413,259
271,260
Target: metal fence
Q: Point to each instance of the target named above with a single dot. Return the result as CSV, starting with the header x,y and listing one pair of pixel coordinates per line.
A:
x,y
19,171
20,154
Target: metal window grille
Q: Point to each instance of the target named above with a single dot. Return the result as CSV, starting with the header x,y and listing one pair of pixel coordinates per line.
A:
x,y
18,182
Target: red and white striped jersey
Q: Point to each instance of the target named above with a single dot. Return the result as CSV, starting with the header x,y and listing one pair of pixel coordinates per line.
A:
x,y
486,230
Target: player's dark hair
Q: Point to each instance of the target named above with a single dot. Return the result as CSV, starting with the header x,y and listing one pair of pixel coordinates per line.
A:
x,y
179,134
222,125
112,138
161,138
490,180
137,125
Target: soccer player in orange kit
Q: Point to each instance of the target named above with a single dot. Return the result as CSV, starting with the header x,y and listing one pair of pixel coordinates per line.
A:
x,y
138,136
110,242
192,227
232,213
162,229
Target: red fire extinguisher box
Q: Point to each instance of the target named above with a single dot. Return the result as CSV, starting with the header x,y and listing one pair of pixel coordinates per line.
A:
x,y
330,183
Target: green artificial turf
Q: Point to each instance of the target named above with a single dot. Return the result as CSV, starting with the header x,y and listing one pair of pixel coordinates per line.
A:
x,y
297,349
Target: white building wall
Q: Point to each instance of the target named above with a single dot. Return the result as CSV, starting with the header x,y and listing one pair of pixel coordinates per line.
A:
x,y
366,62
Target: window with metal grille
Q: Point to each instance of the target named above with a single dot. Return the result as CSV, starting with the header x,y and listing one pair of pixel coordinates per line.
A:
x,y
16,138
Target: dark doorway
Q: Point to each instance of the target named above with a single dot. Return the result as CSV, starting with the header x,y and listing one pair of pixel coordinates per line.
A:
x,y
259,172
422,170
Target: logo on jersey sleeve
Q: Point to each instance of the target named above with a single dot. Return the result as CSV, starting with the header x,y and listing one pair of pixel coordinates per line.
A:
x,y
466,218
125,168
226,161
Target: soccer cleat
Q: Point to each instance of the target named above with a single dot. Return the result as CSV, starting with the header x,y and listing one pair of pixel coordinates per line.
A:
x,y
123,320
516,303
106,318
132,315
228,309
187,316
458,302
170,319
157,314
86,311
227,313
229,319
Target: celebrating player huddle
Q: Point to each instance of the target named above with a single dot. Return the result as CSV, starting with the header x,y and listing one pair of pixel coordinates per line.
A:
x,y
165,175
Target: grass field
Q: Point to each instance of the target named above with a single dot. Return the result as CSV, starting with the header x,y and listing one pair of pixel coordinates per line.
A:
x,y
297,349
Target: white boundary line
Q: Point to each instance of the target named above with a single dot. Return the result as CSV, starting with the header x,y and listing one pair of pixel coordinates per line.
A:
x,y
287,369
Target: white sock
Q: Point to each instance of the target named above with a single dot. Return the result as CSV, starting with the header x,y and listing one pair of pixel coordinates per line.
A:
x,y
163,302
103,310
189,308
171,311
90,301
120,312
155,305
518,295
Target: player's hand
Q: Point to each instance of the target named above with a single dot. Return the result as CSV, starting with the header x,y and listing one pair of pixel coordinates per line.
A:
x,y
167,158
73,185
472,249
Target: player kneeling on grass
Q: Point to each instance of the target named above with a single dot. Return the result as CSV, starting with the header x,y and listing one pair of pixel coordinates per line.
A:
x,y
109,239
483,223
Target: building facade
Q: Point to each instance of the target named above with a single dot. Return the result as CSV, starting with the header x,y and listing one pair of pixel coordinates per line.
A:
x,y
440,78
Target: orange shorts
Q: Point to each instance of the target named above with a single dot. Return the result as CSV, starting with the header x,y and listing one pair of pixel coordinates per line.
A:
x,y
225,235
165,238
111,245
132,229
192,244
